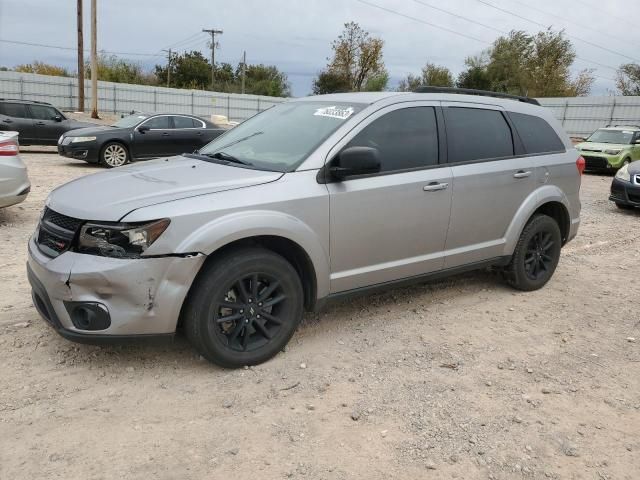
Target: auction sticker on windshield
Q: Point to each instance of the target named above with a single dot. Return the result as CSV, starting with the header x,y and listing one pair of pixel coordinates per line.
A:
x,y
335,112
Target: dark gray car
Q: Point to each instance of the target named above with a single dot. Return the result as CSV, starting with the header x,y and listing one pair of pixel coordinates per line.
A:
x,y
38,123
312,200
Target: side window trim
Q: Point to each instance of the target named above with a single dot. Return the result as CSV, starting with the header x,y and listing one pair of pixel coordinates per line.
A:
x,y
322,176
193,119
154,117
490,107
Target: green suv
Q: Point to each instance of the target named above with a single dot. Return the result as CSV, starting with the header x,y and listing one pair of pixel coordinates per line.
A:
x,y
611,147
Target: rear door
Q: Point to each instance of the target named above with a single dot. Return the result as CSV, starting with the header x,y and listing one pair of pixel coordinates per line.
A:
x,y
188,134
15,117
491,179
47,124
393,224
155,142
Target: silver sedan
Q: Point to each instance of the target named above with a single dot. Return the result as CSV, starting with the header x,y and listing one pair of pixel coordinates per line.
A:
x,y
14,182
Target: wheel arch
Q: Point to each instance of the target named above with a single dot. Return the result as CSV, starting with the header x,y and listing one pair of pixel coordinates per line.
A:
x,y
548,200
122,142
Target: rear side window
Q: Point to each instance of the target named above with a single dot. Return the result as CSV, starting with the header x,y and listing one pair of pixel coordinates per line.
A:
x,y
536,134
40,112
406,138
185,122
16,110
477,134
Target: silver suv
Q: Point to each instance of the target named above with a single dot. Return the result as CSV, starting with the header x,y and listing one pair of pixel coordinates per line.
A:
x,y
311,200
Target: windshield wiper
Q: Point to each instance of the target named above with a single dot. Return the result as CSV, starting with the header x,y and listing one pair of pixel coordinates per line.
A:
x,y
226,157
240,140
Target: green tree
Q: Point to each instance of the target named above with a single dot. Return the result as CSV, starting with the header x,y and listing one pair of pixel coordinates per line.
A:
x,y
114,69
264,80
329,82
432,75
188,70
628,79
43,69
357,63
533,65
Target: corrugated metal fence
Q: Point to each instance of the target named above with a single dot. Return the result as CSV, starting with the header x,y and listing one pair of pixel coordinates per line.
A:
x,y
123,97
581,116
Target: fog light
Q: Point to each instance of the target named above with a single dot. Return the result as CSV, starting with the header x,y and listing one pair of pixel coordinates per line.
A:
x,y
88,315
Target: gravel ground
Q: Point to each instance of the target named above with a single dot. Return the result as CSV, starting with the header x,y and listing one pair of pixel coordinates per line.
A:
x,y
463,378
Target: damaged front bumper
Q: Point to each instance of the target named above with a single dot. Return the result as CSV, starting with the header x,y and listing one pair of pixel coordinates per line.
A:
x,y
94,299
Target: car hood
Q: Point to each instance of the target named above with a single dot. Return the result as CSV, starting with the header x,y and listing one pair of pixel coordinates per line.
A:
x,y
75,124
600,147
110,195
92,130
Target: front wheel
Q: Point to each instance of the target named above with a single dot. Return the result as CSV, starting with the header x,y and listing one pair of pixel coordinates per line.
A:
x,y
114,154
244,307
536,255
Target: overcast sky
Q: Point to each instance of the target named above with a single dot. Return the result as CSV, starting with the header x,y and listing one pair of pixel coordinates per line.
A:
x,y
295,35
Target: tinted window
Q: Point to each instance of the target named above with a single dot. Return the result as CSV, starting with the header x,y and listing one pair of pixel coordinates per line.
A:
x,y
476,134
406,138
536,134
158,123
184,122
17,110
40,112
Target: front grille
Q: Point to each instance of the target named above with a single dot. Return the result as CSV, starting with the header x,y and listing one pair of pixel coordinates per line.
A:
x,y
56,232
62,221
595,162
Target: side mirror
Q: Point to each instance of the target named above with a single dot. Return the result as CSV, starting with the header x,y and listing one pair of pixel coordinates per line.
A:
x,y
356,161
143,128
57,118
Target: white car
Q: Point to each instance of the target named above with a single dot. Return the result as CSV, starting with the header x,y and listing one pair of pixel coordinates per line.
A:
x,y
14,182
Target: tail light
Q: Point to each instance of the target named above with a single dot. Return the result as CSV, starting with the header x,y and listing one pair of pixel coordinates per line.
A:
x,y
581,164
8,148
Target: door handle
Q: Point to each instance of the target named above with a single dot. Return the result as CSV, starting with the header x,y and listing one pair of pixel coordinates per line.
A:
x,y
165,134
521,174
7,120
435,186
40,123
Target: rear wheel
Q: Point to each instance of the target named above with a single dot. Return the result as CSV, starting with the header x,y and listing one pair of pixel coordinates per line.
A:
x,y
244,308
114,154
536,255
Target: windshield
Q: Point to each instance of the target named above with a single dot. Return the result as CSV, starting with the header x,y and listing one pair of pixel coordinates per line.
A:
x,y
282,137
611,136
129,121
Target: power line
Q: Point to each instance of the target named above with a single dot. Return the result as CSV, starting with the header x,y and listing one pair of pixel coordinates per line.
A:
x,y
545,26
395,12
213,32
30,44
419,20
506,33
607,13
608,34
187,39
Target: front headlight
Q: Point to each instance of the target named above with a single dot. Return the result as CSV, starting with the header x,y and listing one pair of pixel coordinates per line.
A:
x,y
623,174
82,139
120,240
612,152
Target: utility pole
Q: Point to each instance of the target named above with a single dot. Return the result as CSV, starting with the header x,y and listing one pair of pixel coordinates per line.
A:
x,y
94,60
244,68
213,32
80,60
168,66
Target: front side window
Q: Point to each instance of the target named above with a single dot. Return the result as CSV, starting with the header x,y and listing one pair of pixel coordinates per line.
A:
x,y
477,134
406,138
40,112
158,123
282,137
15,110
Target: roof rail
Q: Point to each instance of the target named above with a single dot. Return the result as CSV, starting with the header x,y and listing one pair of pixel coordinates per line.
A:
x,y
471,91
24,100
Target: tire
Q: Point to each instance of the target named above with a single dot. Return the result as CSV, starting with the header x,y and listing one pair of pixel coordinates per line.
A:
x,y
261,319
536,254
114,154
623,206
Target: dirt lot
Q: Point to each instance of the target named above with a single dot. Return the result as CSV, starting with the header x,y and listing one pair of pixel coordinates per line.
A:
x,y
463,378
